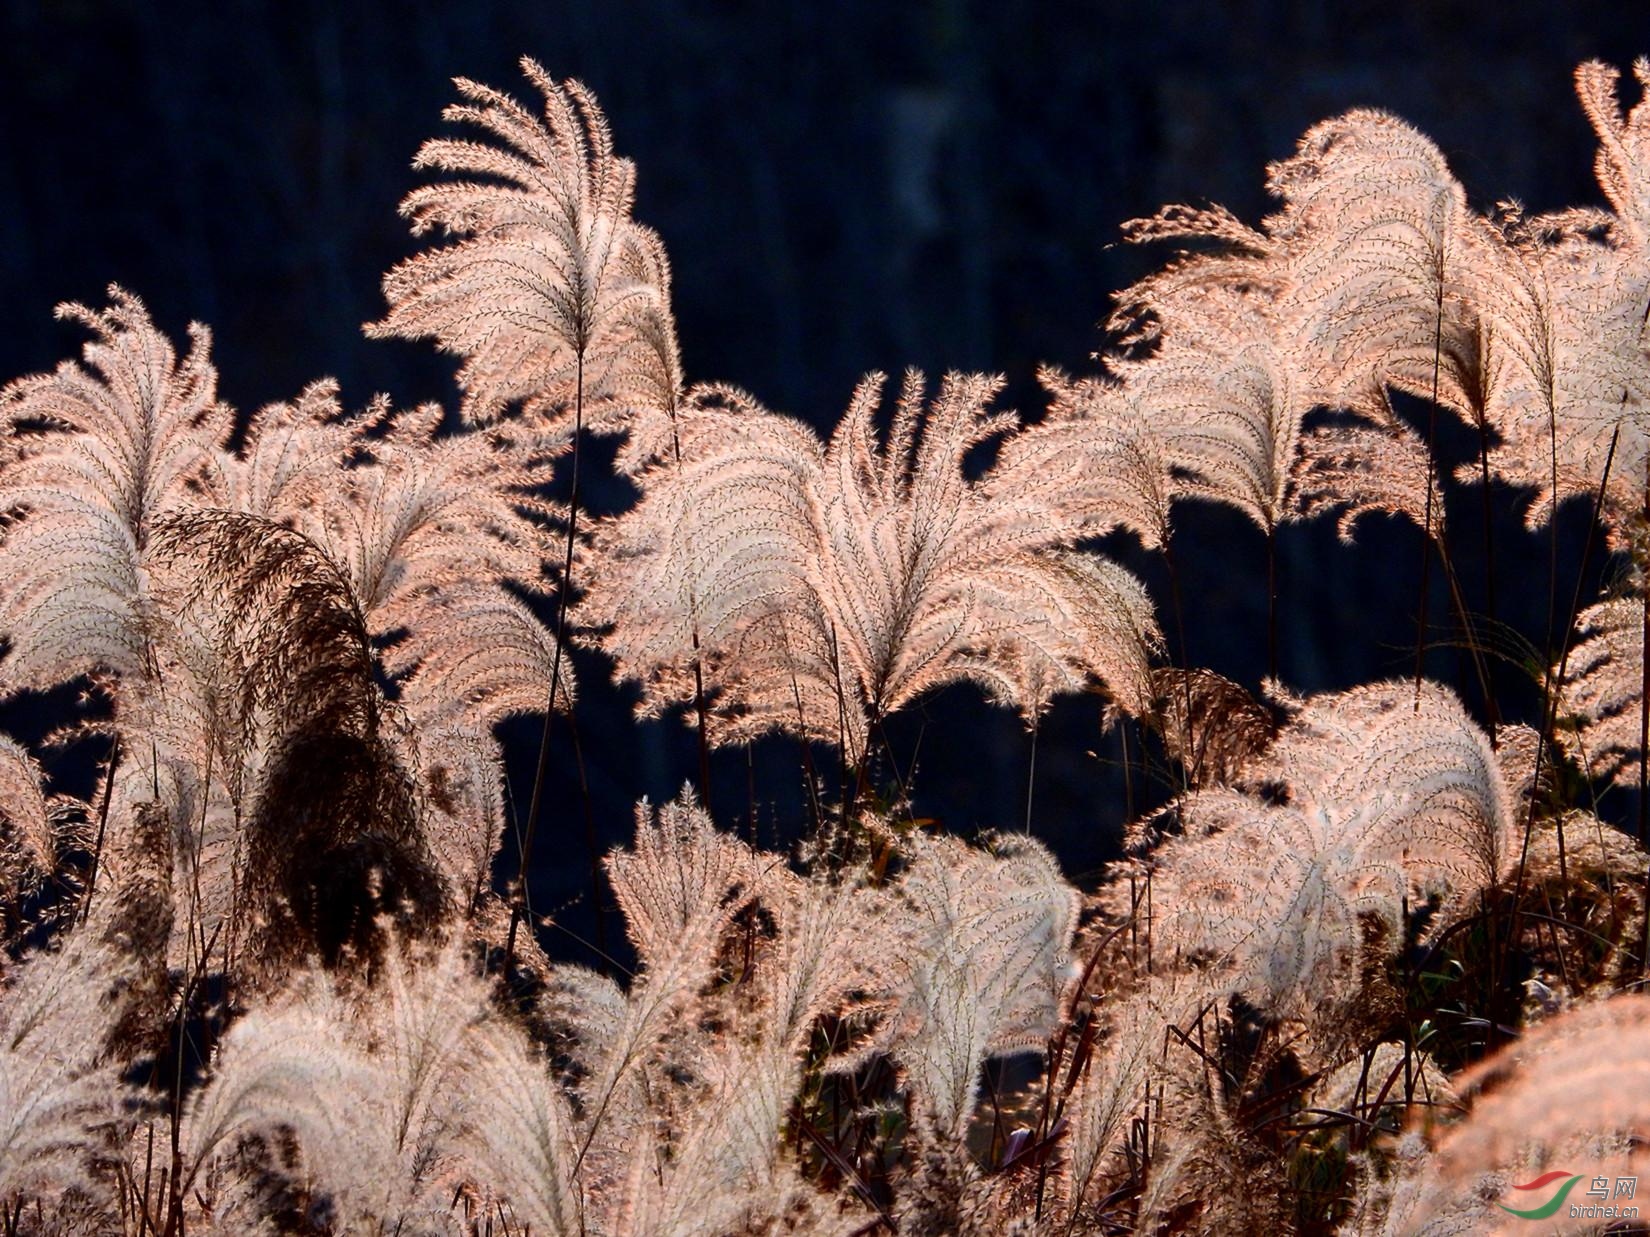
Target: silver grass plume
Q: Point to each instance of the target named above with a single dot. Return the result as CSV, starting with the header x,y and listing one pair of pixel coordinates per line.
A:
x,y
1362,804
101,451
424,518
679,887
293,460
332,824
979,947
1099,458
1364,280
695,1142
61,1092
711,568
1622,163
35,827
1226,399
1604,688
387,1088
827,588
1373,231
549,284
1569,297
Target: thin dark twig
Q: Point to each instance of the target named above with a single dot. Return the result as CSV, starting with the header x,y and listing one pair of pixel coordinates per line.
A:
x,y
1554,679
1432,434
102,828
519,906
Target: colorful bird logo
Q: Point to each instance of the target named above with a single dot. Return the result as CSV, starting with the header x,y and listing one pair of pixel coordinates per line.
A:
x,y
1551,1205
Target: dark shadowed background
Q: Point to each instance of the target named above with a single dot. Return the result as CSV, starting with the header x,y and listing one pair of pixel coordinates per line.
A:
x,y
841,188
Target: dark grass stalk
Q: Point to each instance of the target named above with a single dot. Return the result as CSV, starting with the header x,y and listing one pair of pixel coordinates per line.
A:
x,y
195,932
175,1179
1644,696
1050,1113
1475,650
997,1136
1498,951
102,829
1360,1096
1552,929
1128,770
1173,568
519,906
1145,1129
195,874
1203,1054
1409,1021
698,660
1551,680
1271,599
1150,935
1644,682
1134,927
232,937
1426,570
1490,608
1031,772
1457,597
902,781
843,754
862,784
592,848
148,1175
810,775
174,1116
699,715
1432,468
1644,732
837,1161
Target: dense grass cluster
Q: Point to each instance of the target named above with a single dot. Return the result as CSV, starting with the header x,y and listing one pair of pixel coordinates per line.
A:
x,y
1370,962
